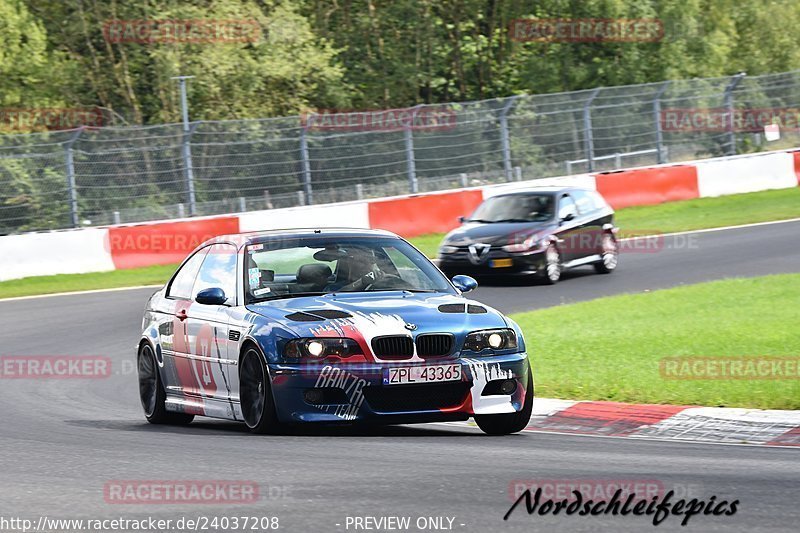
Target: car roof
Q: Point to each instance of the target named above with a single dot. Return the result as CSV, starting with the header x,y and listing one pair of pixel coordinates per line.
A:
x,y
542,190
253,237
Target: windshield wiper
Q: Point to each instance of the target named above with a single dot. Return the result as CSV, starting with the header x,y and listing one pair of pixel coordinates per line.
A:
x,y
510,220
288,295
403,290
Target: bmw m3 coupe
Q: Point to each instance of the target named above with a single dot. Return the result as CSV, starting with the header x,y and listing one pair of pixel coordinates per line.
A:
x,y
327,326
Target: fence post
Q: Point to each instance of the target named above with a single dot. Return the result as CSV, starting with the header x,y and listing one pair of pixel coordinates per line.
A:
x,y
660,155
588,138
72,194
359,191
735,80
187,165
308,193
413,184
504,137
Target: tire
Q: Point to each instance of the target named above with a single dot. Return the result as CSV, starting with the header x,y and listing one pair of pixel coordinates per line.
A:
x,y
255,393
610,255
151,391
508,423
552,265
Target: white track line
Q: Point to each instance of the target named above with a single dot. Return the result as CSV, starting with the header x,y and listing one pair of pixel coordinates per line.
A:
x,y
709,230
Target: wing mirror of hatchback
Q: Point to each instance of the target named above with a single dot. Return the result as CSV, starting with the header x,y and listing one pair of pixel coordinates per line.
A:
x,y
567,217
465,283
462,219
211,296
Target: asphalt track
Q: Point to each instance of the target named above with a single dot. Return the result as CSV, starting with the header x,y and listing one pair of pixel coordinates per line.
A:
x,y
62,441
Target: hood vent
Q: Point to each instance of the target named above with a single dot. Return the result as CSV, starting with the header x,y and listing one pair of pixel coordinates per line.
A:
x,y
318,315
461,308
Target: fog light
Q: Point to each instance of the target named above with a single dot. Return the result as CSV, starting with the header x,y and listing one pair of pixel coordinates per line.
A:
x,y
314,396
495,340
508,386
315,348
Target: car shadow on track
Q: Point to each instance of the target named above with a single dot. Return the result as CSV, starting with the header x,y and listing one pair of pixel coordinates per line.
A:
x,y
517,281
222,427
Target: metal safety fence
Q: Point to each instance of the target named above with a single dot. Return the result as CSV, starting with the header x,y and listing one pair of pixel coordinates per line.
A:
x,y
99,176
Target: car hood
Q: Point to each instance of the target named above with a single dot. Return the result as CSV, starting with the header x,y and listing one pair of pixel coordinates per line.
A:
x,y
496,234
380,313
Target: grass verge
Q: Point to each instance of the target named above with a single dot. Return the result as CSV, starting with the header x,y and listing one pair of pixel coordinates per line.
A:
x,y
153,275
664,218
611,348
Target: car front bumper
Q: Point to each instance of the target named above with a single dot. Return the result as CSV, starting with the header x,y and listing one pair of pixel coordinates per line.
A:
x,y
354,393
495,264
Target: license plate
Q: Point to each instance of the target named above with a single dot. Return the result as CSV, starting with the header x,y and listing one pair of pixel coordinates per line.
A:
x,y
501,263
422,374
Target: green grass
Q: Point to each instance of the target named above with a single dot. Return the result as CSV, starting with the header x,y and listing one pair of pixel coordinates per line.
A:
x,y
665,218
428,244
703,213
610,348
153,275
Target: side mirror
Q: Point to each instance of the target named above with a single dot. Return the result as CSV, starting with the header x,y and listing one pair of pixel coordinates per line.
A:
x,y
211,296
465,283
461,219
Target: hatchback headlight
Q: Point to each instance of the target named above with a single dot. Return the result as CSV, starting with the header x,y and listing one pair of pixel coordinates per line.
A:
x,y
447,249
321,347
491,339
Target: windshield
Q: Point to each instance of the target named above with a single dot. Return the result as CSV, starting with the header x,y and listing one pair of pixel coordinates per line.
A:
x,y
322,265
515,208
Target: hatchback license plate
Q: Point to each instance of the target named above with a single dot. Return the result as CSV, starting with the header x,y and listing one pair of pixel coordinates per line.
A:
x,y
422,374
502,263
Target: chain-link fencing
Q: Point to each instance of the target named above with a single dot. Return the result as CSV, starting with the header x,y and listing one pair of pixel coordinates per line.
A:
x,y
99,176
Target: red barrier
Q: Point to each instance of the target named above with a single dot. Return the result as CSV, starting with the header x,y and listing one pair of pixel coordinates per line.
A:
x,y
797,165
418,215
648,186
164,243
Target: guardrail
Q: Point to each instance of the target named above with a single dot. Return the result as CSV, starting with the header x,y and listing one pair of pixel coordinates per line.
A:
x,y
169,241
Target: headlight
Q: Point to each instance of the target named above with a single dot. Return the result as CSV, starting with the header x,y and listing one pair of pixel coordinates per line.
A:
x,y
447,249
491,339
321,347
528,244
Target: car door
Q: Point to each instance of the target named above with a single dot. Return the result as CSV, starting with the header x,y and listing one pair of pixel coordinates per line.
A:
x,y
173,332
568,231
208,328
591,227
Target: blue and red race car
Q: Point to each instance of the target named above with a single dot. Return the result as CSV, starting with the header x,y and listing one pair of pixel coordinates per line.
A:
x,y
327,326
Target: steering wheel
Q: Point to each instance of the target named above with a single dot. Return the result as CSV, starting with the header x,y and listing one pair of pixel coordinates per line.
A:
x,y
370,279
393,279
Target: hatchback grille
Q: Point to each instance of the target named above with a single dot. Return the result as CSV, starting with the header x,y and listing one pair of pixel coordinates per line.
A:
x,y
434,345
393,347
428,397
